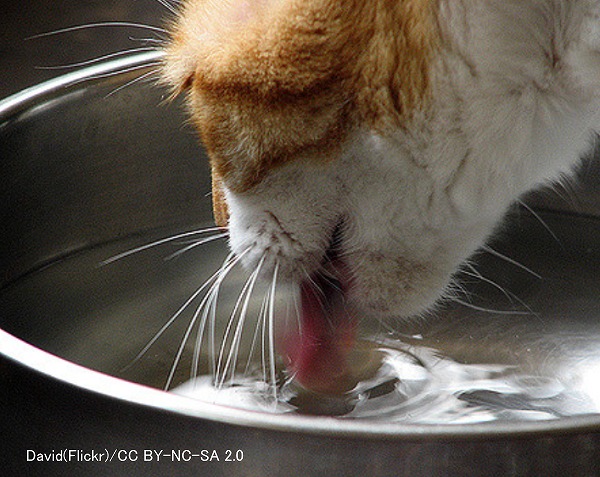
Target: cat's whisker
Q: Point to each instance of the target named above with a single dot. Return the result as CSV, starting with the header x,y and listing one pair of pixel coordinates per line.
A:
x,y
161,242
155,65
243,301
98,59
510,296
330,278
98,25
158,41
212,332
260,331
168,6
186,337
564,188
297,313
540,220
248,284
150,64
132,82
476,274
211,300
320,294
209,297
197,243
456,288
254,340
501,256
266,336
169,322
244,312
272,330
228,264
321,298
216,276
490,310
219,378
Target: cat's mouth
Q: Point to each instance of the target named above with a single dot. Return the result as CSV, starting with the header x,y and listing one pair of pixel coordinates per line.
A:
x,y
318,350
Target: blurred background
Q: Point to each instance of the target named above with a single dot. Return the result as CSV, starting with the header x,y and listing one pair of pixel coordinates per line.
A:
x,y
25,60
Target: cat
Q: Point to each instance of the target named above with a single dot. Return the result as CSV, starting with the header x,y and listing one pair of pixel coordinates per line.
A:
x,y
380,141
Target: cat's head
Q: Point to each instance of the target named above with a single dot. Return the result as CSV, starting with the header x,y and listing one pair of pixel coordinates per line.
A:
x,y
315,116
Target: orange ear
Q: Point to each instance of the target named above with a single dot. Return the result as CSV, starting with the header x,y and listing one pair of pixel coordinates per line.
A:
x,y
220,209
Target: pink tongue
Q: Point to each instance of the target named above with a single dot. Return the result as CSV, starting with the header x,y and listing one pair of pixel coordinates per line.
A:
x,y
318,352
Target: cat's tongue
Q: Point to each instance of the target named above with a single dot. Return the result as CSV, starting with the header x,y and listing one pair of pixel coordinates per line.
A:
x,y
318,352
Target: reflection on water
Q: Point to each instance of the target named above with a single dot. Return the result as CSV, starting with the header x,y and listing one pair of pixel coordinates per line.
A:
x,y
417,385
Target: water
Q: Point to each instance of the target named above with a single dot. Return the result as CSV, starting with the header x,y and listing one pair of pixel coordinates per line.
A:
x,y
532,358
416,385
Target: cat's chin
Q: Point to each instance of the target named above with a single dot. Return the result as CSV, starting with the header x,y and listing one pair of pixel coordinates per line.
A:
x,y
390,286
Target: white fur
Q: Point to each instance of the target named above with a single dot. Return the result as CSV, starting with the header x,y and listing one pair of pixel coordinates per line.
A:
x,y
516,95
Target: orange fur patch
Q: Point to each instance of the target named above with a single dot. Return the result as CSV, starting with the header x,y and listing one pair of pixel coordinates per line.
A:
x,y
393,71
278,80
220,209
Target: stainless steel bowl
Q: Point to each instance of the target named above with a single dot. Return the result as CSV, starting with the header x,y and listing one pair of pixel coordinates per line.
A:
x,y
90,169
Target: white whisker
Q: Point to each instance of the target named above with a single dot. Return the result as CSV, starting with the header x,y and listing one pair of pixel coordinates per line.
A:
x,y
258,327
244,311
490,310
211,292
131,69
476,274
220,382
97,25
197,243
272,331
540,220
228,264
490,250
245,294
212,333
169,322
319,293
216,276
168,6
132,82
331,279
186,336
511,296
297,312
207,309
160,242
159,41
98,59
221,274
263,326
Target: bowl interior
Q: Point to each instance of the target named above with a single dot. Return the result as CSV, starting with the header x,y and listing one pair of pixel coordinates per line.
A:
x,y
92,171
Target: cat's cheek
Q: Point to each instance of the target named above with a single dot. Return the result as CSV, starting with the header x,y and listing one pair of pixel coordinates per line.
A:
x,y
393,286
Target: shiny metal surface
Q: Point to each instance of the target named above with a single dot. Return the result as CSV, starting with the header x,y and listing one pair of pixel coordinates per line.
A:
x,y
88,169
